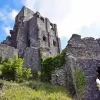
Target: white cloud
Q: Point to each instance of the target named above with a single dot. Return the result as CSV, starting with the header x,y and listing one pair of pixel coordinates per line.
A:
x,y
56,10
29,3
7,16
93,30
7,29
83,13
70,15
13,14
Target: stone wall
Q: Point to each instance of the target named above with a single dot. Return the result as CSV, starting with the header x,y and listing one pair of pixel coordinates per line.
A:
x,y
47,35
84,54
7,51
59,77
31,58
65,75
86,48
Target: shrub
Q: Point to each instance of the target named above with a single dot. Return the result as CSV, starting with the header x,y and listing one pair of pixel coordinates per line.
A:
x,y
1,84
1,60
26,73
13,70
50,64
81,80
1,66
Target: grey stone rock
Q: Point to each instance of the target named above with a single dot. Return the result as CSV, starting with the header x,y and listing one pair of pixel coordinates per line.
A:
x,y
30,60
84,54
59,77
7,51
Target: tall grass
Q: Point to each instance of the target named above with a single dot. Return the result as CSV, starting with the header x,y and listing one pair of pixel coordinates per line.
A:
x,y
33,90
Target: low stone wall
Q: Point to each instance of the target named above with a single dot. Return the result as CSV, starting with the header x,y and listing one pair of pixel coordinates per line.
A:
x,y
59,77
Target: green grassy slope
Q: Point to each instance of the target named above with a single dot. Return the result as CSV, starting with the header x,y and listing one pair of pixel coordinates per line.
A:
x,y
33,90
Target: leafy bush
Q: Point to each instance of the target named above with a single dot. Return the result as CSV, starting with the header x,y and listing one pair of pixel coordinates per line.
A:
x,y
14,70
1,60
50,64
1,84
81,79
1,66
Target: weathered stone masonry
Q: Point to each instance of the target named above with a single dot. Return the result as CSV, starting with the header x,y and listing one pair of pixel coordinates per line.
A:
x,y
7,51
33,36
85,54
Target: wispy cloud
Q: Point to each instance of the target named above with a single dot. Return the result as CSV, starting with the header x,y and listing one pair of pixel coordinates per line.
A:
x,y
55,10
6,29
83,13
7,14
7,17
13,14
92,30
29,3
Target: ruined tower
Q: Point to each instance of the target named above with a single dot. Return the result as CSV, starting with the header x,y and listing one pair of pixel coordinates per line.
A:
x,y
33,36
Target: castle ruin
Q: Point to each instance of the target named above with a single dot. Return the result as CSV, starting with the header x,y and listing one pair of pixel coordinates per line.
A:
x,y
82,53
33,36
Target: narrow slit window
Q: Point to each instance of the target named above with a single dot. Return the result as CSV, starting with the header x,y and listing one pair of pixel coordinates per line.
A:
x,y
44,38
54,43
29,43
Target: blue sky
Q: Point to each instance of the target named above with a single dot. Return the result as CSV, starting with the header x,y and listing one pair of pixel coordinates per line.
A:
x,y
71,16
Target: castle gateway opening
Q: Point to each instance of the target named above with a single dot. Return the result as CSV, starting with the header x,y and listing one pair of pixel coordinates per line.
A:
x,y
98,77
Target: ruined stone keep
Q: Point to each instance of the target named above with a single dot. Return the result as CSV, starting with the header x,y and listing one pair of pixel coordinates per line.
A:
x,y
33,36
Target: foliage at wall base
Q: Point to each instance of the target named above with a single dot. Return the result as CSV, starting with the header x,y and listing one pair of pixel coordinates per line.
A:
x,y
80,80
50,64
14,70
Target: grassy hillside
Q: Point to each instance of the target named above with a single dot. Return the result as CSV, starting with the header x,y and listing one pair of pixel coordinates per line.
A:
x,y
32,90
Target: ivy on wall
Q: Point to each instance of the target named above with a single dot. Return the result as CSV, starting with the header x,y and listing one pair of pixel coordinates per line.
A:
x,y
50,64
